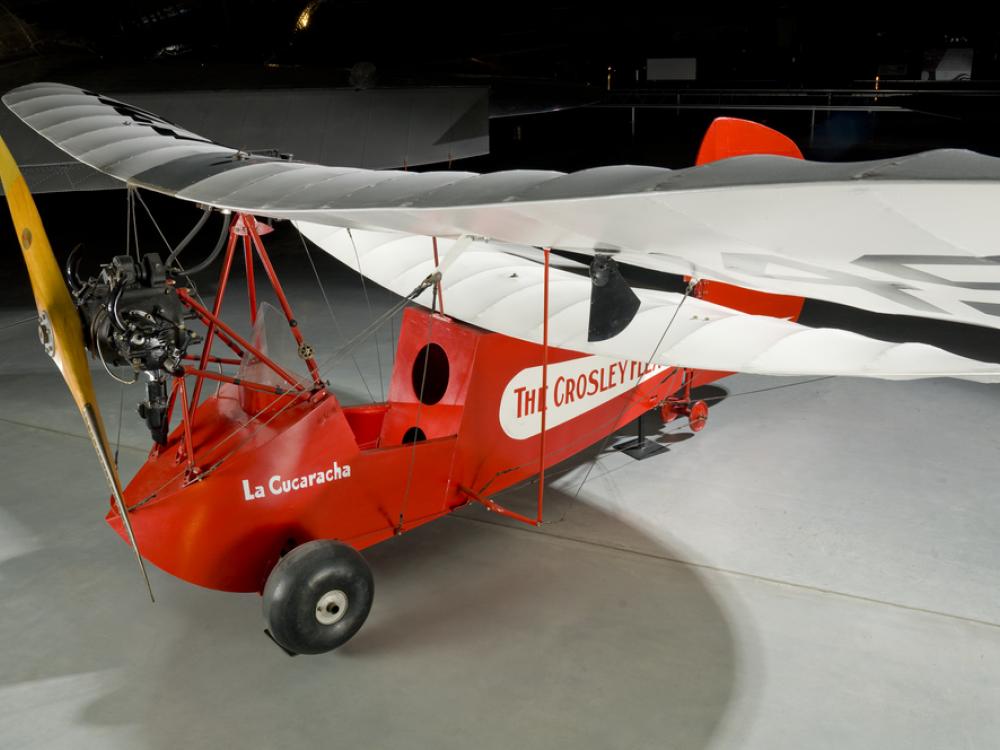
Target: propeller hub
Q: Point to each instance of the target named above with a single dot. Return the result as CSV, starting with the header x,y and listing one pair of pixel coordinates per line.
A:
x,y
45,333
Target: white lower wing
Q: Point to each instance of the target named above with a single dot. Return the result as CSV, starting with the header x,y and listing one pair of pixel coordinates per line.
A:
x,y
499,288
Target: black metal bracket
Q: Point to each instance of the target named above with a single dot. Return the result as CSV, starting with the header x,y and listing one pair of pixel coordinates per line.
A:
x,y
640,446
613,304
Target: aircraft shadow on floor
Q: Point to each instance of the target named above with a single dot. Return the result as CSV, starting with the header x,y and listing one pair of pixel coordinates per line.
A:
x,y
472,623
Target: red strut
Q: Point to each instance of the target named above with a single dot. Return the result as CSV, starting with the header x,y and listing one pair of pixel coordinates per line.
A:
x,y
545,387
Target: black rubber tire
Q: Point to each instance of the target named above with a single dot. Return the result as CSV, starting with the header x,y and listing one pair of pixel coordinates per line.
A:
x,y
297,584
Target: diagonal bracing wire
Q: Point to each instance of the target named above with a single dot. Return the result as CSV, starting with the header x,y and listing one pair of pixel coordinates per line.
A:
x,y
364,287
155,224
170,249
32,319
292,397
333,317
604,443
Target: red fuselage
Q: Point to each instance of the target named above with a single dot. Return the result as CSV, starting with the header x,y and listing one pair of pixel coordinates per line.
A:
x,y
313,469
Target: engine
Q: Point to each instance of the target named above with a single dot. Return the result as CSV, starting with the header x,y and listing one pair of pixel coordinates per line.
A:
x,y
133,318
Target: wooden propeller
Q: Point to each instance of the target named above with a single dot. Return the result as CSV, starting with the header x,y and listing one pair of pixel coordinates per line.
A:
x,y
59,326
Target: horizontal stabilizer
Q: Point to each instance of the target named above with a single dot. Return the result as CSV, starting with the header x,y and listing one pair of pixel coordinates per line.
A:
x,y
727,137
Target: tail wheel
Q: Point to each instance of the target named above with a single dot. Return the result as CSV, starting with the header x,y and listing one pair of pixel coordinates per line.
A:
x,y
318,596
698,416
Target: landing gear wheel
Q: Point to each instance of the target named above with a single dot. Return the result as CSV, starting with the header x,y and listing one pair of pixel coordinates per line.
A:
x,y
317,597
698,416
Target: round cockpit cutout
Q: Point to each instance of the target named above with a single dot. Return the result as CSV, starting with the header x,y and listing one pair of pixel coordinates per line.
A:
x,y
430,374
413,435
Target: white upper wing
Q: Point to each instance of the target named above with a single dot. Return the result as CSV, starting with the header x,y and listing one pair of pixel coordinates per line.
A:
x,y
493,286
915,235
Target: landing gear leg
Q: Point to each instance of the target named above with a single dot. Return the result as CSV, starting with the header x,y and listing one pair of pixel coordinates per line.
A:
x,y
684,406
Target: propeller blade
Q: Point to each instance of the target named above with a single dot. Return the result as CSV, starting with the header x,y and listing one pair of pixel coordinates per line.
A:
x,y
59,326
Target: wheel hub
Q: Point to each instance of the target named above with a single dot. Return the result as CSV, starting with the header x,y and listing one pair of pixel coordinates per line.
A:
x,y
331,607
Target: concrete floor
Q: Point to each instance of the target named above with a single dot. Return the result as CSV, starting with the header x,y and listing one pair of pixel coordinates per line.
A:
x,y
818,569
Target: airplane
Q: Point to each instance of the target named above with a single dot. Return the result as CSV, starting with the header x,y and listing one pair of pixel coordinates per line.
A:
x,y
506,363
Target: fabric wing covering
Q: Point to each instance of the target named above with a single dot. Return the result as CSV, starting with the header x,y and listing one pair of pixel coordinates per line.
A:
x,y
912,235
496,287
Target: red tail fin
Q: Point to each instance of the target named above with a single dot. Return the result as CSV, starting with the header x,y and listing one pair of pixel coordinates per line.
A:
x,y
729,136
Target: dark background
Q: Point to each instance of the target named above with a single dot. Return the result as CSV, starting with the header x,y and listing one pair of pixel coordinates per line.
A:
x,y
583,66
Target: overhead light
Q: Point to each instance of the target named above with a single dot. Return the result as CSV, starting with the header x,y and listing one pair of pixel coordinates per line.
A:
x,y
306,15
